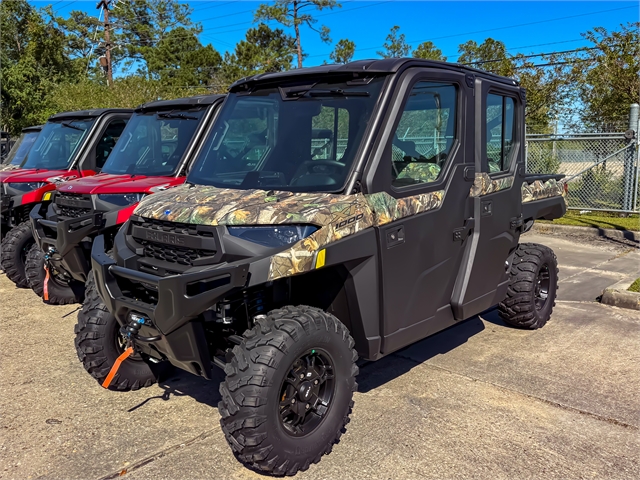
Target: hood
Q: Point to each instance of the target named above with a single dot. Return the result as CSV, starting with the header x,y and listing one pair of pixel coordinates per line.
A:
x,y
110,183
338,215
206,205
32,175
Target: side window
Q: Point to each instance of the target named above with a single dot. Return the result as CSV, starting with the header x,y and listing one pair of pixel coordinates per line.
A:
x,y
330,133
425,134
500,132
108,141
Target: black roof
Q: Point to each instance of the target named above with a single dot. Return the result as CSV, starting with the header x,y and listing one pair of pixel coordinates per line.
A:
x,y
368,67
33,128
187,102
89,113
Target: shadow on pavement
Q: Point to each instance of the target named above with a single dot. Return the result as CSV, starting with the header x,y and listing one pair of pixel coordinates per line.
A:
x,y
179,383
372,374
375,374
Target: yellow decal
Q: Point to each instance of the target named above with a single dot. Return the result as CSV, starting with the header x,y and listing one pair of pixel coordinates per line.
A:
x,y
46,197
320,258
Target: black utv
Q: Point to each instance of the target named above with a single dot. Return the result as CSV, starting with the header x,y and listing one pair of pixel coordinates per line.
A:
x,y
334,212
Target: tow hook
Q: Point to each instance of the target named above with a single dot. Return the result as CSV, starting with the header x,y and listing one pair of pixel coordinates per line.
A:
x,y
131,330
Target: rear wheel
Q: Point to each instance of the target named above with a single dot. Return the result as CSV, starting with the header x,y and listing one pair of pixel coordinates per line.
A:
x,y
60,291
15,246
289,389
532,292
99,343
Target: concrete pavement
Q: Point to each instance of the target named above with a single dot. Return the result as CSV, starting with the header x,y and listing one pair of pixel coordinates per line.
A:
x,y
480,400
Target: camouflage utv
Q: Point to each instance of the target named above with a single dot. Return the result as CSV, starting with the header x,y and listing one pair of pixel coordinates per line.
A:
x,y
332,213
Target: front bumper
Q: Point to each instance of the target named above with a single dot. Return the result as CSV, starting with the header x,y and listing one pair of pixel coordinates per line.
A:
x,y
180,299
65,237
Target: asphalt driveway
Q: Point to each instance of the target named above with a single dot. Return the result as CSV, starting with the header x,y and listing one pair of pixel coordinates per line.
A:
x,y
480,400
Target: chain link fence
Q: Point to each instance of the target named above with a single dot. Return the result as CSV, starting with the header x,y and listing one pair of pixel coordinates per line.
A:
x,y
601,169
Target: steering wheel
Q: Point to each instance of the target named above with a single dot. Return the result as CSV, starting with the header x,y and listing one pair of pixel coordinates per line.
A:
x,y
311,167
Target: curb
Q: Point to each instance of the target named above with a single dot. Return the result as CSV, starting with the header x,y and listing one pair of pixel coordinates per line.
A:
x,y
617,295
621,299
549,228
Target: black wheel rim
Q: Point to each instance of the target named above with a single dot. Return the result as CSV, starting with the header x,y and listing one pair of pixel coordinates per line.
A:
x,y
543,281
306,393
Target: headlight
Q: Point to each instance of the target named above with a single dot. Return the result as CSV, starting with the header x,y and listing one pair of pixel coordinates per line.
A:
x,y
273,236
26,186
121,199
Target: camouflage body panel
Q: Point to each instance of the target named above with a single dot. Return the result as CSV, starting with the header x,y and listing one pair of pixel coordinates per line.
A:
x,y
376,209
484,184
422,172
387,209
338,216
539,190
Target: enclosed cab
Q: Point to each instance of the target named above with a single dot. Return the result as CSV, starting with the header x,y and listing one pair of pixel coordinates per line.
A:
x,y
70,145
152,155
335,212
18,153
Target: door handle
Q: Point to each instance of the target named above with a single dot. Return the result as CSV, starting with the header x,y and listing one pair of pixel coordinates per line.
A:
x,y
395,236
460,234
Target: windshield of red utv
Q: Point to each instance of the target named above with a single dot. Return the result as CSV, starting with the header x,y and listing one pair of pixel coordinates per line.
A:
x,y
57,144
153,143
19,152
297,138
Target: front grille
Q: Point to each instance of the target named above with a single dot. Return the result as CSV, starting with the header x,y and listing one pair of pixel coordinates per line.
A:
x,y
73,205
174,254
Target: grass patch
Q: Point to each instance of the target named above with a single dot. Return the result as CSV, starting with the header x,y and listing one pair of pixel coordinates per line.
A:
x,y
635,286
598,220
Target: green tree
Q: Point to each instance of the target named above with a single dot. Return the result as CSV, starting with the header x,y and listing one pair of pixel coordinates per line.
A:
x,y
295,13
344,51
32,60
428,51
396,45
140,25
491,56
606,75
263,50
547,88
179,59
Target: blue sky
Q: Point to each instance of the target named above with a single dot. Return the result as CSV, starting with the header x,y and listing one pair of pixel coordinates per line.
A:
x,y
524,26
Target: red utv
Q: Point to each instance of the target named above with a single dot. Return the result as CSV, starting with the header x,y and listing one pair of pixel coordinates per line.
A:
x,y
70,145
152,155
18,153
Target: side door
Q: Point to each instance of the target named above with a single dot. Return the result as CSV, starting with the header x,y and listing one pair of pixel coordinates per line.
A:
x,y
102,143
496,196
423,203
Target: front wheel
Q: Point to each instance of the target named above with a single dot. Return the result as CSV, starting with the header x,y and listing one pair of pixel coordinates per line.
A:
x,y
289,390
532,289
99,343
15,246
59,291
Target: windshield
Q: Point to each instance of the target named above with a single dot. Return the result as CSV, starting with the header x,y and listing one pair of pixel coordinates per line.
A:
x,y
299,138
57,143
153,143
21,148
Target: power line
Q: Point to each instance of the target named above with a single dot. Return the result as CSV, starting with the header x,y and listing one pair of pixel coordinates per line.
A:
x,y
494,29
547,54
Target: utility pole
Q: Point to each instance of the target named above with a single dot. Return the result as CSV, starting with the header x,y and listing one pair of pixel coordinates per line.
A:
x,y
107,41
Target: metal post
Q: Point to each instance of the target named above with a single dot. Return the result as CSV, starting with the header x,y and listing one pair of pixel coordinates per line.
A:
x,y
629,174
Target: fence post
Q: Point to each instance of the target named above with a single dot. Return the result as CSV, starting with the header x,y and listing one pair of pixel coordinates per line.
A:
x,y
629,173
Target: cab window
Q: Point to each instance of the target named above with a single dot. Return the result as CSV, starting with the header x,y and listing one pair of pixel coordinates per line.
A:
x,y
108,141
500,132
425,134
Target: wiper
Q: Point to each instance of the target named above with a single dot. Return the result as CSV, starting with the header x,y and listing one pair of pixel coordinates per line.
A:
x,y
176,115
69,125
338,92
